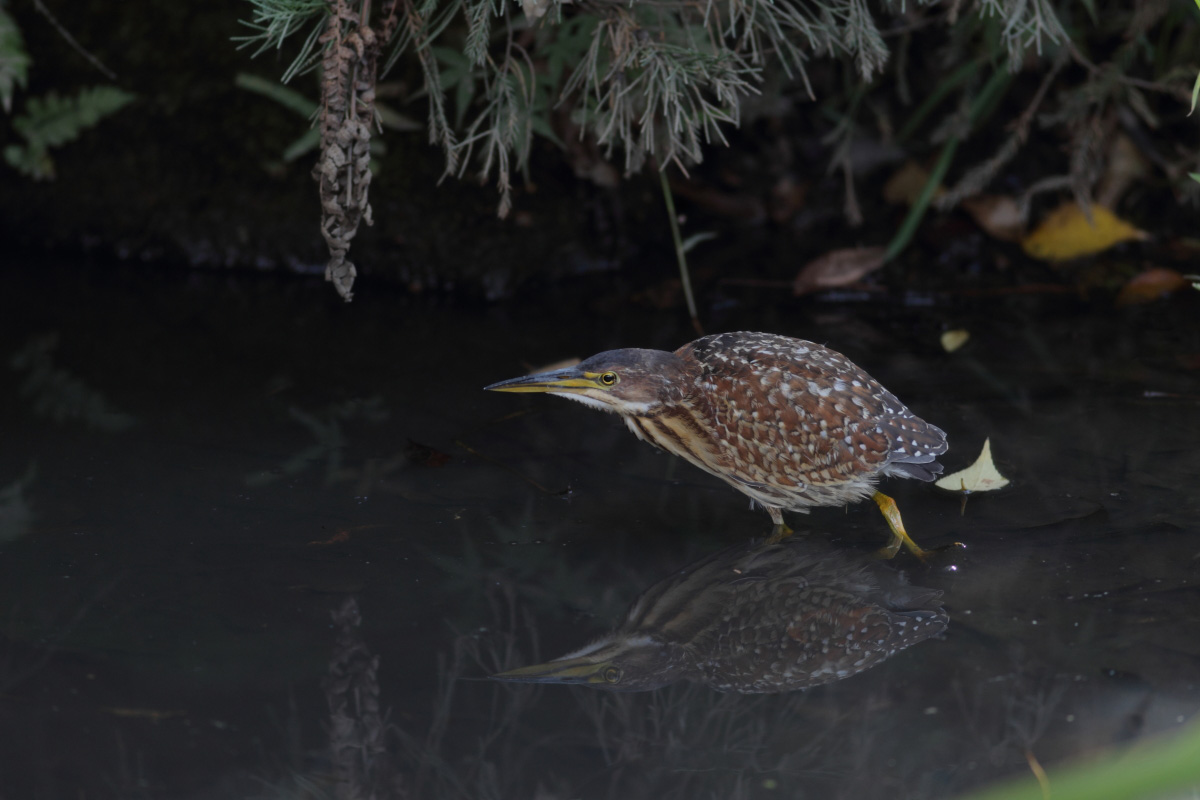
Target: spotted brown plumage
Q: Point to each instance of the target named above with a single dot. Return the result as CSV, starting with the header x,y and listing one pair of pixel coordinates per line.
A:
x,y
796,425
790,423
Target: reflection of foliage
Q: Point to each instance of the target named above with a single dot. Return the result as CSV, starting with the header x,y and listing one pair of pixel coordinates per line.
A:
x,y
492,769
1012,729
537,573
685,741
16,515
51,120
357,729
482,742
59,395
330,441
14,61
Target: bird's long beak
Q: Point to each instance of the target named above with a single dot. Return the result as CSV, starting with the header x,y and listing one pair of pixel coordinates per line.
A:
x,y
570,379
572,670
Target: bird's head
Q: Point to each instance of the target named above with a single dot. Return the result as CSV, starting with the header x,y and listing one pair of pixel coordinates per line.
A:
x,y
631,382
632,663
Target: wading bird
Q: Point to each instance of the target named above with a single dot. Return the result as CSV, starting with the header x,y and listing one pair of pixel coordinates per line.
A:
x,y
790,423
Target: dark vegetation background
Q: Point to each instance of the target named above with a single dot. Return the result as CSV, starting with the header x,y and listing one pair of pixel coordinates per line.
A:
x,y
1090,407
191,171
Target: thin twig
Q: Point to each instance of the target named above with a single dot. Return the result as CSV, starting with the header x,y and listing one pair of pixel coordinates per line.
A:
x,y
680,255
854,215
1150,86
1050,184
1021,127
916,25
63,32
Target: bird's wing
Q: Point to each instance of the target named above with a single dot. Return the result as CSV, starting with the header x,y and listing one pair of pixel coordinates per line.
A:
x,y
788,413
791,425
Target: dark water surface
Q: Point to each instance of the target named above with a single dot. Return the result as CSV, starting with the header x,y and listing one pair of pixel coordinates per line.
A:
x,y
197,471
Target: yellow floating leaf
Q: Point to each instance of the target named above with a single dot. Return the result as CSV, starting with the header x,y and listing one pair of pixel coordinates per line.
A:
x,y
1066,233
982,476
952,340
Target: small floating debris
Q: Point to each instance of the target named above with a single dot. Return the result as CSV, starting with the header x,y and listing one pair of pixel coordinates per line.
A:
x,y
952,340
982,476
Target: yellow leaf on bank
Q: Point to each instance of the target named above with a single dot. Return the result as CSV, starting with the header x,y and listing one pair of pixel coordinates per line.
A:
x,y
1066,233
982,476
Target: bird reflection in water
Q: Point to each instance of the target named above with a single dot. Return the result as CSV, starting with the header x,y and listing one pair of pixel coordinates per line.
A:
x,y
755,618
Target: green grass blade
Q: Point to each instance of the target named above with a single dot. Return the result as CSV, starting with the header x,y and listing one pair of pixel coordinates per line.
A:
x,y
943,88
1146,771
991,92
680,253
288,98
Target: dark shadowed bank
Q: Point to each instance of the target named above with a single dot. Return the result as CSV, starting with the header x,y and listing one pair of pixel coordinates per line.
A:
x,y
192,171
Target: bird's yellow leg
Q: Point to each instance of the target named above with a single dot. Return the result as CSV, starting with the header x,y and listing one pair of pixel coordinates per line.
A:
x,y
899,536
781,531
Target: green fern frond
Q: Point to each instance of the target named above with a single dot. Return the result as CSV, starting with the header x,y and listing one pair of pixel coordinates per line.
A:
x,y
51,121
14,60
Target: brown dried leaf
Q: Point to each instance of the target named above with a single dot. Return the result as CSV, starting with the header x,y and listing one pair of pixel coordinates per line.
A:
x,y
837,268
1150,285
998,215
734,205
787,198
425,456
1125,167
340,537
905,186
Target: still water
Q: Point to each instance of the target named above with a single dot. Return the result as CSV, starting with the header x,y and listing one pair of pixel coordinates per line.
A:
x,y
206,481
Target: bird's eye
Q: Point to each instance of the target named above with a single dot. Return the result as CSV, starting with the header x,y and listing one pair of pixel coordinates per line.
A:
x,y
609,378
612,674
